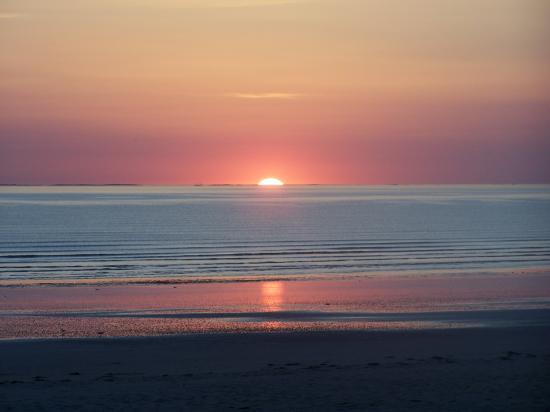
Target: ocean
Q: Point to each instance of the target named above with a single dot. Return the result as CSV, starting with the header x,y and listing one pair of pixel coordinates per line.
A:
x,y
62,233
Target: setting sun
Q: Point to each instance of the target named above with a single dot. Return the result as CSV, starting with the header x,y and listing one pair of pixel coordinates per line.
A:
x,y
270,181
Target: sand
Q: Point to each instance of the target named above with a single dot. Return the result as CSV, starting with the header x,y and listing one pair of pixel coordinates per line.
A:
x,y
450,343
489,369
393,302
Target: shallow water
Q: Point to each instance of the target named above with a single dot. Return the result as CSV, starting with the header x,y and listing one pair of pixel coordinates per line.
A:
x,y
132,232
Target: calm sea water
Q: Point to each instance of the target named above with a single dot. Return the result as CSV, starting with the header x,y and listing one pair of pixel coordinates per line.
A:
x,y
61,233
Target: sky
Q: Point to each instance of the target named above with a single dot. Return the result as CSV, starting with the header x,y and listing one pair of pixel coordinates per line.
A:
x,y
309,91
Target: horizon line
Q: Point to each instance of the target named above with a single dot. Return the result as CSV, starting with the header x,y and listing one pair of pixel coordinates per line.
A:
x,y
255,184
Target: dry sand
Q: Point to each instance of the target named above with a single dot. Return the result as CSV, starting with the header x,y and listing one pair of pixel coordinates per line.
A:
x,y
476,369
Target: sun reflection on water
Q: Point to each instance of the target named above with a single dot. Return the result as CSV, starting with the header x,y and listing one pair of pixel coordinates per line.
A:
x,y
272,295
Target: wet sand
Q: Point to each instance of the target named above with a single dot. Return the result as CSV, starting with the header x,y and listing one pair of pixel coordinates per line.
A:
x,y
396,302
489,369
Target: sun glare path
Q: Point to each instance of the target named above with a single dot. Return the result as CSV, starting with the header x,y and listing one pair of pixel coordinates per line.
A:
x,y
270,181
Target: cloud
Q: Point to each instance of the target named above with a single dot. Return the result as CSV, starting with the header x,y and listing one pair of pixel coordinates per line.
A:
x,y
238,3
287,96
9,15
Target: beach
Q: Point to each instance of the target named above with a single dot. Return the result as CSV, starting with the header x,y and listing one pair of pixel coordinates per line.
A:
x,y
490,369
439,342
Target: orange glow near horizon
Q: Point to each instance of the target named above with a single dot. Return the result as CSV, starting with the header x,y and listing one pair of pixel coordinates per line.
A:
x,y
270,181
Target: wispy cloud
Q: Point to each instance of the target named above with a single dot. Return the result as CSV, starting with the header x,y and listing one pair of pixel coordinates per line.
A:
x,y
238,3
9,15
286,96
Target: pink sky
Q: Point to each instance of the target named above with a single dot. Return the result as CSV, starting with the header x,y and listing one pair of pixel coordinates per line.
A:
x,y
310,91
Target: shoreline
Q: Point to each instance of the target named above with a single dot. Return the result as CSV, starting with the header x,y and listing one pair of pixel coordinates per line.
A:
x,y
184,280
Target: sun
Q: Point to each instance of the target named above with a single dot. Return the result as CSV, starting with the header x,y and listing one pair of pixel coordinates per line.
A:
x,y
270,181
